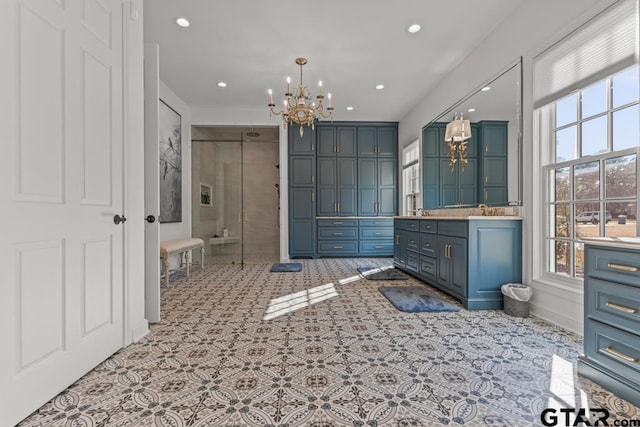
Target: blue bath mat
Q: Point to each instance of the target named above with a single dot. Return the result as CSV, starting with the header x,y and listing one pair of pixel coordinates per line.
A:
x,y
382,273
286,267
415,299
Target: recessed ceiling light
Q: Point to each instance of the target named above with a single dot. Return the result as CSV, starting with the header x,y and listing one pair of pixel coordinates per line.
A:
x,y
471,110
222,84
183,22
413,28
486,88
379,87
349,108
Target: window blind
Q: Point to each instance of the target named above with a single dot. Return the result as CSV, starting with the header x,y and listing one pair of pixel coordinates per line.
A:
x,y
603,45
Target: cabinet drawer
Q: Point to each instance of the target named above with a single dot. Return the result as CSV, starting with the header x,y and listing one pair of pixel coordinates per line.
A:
x,y
376,248
453,228
617,305
376,233
337,248
428,268
428,244
337,222
615,349
386,222
613,264
413,241
412,261
407,224
429,226
338,233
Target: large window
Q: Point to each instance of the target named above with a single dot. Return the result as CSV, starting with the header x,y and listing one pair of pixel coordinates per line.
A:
x,y
590,168
411,178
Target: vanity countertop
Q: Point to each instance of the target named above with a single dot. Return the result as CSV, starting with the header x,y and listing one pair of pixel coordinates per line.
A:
x,y
464,218
633,242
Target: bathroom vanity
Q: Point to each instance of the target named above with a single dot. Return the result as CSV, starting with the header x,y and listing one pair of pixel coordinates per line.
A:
x,y
469,258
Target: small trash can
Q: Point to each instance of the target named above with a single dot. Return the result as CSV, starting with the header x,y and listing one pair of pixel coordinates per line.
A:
x,y
622,219
516,298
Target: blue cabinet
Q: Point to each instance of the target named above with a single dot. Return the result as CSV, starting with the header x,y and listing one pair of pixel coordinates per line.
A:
x,y
611,319
302,145
377,170
493,163
336,140
302,224
377,141
468,259
458,186
302,171
354,237
337,186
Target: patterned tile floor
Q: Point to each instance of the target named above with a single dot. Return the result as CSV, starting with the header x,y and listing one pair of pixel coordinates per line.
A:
x,y
324,348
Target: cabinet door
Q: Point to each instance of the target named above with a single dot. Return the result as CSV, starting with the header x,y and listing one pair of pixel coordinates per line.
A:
x,y
400,247
467,183
448,184
433,144
326,140
495,171
458,254
302,219
346,141
301,145
327,201
431,182
303,169
367,186
494,138
387,187
347,187
387,142
366,142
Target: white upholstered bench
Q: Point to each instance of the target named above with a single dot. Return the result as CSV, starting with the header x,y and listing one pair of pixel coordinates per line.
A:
x,y
180,246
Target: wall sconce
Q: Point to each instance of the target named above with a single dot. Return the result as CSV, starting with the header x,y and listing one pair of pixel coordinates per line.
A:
x,y
456,135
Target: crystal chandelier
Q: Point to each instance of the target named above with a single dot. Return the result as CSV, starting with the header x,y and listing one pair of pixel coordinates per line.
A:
x,y
456,135
297,107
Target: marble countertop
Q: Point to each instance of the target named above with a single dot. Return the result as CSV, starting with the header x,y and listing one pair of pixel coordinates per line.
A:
x,y
464,217
633,242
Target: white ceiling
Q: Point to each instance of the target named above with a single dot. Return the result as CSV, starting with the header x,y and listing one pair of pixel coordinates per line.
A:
x,y
351,45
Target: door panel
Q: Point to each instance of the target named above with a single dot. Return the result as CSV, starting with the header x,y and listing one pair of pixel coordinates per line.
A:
x,y
62,310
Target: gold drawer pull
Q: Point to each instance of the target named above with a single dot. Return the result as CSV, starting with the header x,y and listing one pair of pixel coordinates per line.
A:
x,y
427,245
427,227
337,247
377,234
378,247
412,225
337,234
622,267
337,222
623,356
621,307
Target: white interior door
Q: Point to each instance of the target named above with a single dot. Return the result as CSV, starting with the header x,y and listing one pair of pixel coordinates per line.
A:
x,y
151,183
61,254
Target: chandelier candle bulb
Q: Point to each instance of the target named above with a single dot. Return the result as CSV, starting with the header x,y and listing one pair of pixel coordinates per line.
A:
x,y
330,105
271,98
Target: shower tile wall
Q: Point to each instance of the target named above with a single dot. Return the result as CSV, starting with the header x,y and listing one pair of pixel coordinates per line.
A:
x,y
218,164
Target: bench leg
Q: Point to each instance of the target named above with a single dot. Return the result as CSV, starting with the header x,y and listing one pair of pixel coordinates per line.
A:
x,y
201,258
186,257
165,264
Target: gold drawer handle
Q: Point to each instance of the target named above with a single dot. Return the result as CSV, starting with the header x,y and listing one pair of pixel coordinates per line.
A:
x,y
337,223
622,267
623,356
427,245
337,234
621,307
377,234
337,247
427,227
378,247
412,225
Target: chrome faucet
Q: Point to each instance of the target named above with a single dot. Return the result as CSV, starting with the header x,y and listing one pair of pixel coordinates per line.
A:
x,y
484,208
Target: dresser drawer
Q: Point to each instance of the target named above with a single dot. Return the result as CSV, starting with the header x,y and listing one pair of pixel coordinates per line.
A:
x,y
452,228
337,222
337,233
428,267
407,224
376,247
428,244
613,264
413,241
617,305
615,349
337,248
429,226
369,233
412,261
386,222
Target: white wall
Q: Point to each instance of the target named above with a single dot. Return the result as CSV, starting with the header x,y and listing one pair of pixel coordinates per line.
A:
x,y
180,230
532,28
